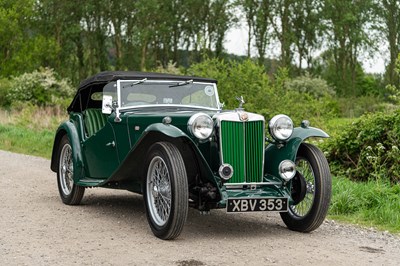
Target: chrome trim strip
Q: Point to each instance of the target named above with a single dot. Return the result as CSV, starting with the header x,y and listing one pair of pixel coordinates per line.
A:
x,y
241,185
168,105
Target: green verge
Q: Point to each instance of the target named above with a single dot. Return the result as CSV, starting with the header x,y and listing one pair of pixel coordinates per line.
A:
x,y
371,204
26,141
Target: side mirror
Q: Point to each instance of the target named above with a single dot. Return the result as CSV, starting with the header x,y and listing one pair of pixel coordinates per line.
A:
x,y
107,107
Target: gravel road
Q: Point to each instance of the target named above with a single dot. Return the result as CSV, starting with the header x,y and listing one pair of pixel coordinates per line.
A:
x,y
110,228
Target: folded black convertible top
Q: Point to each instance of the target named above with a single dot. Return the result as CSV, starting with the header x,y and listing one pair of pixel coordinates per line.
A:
x,y
108,76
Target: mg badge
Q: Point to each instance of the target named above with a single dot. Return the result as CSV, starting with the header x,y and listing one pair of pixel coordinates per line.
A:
x,y
244,116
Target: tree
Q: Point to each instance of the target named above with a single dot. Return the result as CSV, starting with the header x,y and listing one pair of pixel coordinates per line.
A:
x,y
249,8
257,15
389,14
282,24
347,24
220,20
22,47
306,27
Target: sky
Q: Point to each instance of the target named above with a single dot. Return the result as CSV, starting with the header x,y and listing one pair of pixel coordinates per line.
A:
x,y
236,43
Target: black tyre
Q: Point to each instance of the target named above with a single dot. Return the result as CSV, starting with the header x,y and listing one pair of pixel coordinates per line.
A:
x,y
308,214
165,190
70,193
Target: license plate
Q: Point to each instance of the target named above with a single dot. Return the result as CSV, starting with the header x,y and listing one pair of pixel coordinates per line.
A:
x,y
257,204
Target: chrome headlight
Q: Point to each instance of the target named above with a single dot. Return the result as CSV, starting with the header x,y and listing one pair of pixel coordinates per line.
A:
x,y
201,126
281,127
287,170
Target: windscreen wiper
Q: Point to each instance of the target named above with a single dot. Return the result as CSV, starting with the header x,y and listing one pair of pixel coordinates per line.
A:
x,y
135,83
181,83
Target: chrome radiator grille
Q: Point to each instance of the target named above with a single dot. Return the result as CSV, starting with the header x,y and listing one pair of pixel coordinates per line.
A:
x,y
242,146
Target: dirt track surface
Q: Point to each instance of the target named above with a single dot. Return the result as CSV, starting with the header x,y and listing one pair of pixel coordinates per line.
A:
x,y
110,228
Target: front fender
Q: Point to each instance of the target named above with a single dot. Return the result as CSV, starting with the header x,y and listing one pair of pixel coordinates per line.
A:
x,y
276,153
168,130
132,168
69,129
308,132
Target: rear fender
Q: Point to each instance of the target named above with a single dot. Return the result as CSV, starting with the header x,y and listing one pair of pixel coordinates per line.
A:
x,y
276,153
69,129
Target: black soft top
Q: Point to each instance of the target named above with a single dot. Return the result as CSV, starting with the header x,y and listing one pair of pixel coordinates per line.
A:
x,y
96,83
108,76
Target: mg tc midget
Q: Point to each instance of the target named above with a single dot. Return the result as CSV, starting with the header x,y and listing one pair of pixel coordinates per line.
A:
x,y
168,138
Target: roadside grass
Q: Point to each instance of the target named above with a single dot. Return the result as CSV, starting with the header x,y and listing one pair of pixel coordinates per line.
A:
x,y
371,204
30,130
26,141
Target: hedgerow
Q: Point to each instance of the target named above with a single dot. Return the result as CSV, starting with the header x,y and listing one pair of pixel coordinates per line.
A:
x,y
369,148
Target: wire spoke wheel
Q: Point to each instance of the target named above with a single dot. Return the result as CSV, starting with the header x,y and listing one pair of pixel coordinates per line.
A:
x,y
70,193
308,214
66,169
165,190
305,168
159,186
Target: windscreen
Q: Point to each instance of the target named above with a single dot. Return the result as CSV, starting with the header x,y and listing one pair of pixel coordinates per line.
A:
x,y
174,93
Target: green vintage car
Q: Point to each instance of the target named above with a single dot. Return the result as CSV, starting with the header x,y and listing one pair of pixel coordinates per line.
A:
x,y
168,138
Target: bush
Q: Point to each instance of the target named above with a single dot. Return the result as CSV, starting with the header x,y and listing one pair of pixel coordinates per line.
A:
x,y
368,148
305,97
315,87
40,88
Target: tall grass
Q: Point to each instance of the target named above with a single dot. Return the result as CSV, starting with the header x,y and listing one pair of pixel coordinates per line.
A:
x,y
30,130
27,141
374,203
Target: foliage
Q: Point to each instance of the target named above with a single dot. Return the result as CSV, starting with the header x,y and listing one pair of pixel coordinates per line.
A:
x,y
372,203
368,149
388,23
357,106
170,68
236,79
79,38
302,98
41,88
316,87
393,90
5,85
22,48
348,23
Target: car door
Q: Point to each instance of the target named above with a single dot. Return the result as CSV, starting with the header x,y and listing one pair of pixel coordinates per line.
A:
x,y
101,154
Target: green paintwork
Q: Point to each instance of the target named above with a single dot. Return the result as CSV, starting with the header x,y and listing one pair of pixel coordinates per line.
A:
x,y
101,158
112,153
70,129
135,129
139,136
275,154
169,130
305,133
